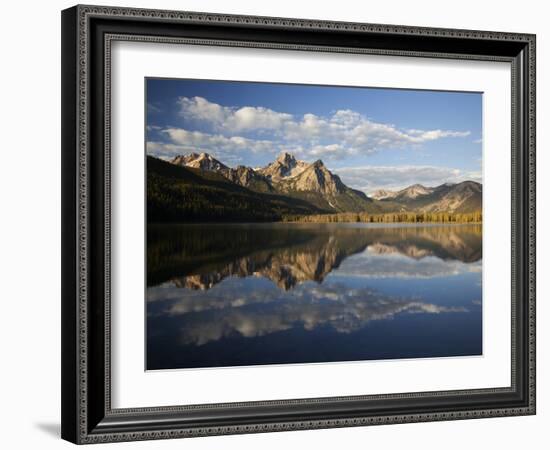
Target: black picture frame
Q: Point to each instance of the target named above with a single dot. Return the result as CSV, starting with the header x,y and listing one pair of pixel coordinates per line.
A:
x,y
87,415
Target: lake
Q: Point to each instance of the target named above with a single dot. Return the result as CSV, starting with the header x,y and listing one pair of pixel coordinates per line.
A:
x,y
279,293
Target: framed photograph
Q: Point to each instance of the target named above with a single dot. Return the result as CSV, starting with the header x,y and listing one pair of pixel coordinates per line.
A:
x,y
278,224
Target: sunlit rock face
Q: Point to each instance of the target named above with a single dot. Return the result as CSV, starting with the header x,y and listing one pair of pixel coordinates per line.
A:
x,y
414,191
312,182
314,178
285,166
383,194
241,175
448,197
202,161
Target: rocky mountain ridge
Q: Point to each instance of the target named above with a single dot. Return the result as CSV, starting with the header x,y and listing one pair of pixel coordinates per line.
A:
x,y
461,197
285,166
316,184
312,182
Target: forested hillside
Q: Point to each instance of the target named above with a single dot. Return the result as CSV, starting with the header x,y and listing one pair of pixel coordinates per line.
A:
x,y
183,194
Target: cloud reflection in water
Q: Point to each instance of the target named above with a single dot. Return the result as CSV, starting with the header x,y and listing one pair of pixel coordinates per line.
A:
x,y
230,309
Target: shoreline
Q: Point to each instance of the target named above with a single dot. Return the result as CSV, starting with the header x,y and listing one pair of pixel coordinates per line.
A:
x,y
374,224
386,218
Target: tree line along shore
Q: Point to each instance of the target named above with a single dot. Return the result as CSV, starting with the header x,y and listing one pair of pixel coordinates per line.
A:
x,y
400,217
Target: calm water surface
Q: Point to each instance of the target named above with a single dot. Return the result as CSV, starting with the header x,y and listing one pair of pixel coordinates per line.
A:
x,y
249,294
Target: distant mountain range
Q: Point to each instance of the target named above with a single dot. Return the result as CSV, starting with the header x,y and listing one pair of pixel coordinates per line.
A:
x,y
462,197
197,186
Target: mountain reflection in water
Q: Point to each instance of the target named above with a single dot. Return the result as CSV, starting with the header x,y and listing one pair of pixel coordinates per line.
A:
x,y
247,294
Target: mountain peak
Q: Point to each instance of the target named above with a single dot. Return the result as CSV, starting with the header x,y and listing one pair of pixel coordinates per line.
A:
x,y
381,194
316,177
467,185
285,166
286,158
318,163
414,191
203,161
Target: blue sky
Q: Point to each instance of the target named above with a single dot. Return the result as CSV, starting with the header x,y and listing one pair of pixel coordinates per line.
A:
x,y
373,138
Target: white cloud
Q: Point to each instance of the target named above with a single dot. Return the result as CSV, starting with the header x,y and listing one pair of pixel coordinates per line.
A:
x,y
151,108
344,132
199,108
424,136
228,149
332,151
251,118
372,178
153,128
224,118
